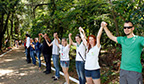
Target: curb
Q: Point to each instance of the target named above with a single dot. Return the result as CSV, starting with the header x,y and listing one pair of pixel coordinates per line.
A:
x,y
71,78
5,53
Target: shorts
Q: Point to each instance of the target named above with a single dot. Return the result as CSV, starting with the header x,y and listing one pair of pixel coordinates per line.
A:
x,y
95,74
130,77
64,63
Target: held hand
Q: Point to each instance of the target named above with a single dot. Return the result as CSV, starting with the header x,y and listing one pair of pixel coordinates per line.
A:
x,y
55,34
40,34
81,29
70,34
103,24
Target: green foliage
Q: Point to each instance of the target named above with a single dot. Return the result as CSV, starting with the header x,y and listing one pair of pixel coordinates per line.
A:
x,y
65,16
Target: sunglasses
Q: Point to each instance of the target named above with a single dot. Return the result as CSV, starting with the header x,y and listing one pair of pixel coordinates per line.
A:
x,y
129,27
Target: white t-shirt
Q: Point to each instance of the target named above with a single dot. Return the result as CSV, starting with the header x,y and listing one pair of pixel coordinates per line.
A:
x,y
92,58
55,49
64,53
81,49
28,42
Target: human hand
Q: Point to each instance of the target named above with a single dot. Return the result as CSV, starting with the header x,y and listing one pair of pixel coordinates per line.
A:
x,y
81,29
40,34
103,24
70,34
55,35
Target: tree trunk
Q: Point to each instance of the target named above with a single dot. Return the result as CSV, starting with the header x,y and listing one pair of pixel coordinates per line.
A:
x,y
116,23
114,17
3,29
11,26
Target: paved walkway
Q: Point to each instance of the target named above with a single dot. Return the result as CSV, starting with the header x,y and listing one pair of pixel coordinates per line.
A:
x,y
15,70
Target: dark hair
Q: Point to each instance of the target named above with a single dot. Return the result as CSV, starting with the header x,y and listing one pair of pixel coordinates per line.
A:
x,y
27,35
129,22
64,39
77,35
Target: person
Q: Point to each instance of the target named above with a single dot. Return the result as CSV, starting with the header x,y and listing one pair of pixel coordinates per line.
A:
x,y
6,42
17,44
132,45
64,56
55,56
47,52
38,51
32,49
80,60
28,49
92,68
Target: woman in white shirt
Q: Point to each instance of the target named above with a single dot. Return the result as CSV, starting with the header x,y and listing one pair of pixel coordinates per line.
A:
x,y
64,56
80,50
92,68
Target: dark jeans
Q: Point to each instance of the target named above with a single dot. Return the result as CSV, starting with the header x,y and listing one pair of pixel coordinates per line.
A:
x,y
80,71
38,53
28,55
47,58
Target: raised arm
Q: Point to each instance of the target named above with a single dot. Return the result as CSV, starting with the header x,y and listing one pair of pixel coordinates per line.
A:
x,y
40,34
99,36
56,36
83,37
56,42
49,44
109,34
70,40
74,44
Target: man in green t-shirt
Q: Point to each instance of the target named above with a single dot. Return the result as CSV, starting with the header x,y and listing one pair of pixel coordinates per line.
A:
x,y
132,45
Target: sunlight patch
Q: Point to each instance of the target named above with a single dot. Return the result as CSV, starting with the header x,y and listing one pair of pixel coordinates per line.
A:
x,y
7,60
3,72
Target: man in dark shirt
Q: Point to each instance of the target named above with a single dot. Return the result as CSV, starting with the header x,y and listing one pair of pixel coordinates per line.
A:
x,y
47,52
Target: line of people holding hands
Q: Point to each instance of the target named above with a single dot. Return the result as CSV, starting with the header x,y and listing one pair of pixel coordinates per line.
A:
x,y
87,52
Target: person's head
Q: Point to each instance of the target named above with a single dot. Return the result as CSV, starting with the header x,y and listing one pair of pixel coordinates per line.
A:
x,y
128,28
36,39
47,37
64,41
78,38
91,41
27,35
45,34
31,40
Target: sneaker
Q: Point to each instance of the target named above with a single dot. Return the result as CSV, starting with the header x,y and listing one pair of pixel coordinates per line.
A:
x,y
53,76
56,78
47,72
44,71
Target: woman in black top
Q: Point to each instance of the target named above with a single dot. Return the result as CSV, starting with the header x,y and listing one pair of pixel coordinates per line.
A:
x,y
47,52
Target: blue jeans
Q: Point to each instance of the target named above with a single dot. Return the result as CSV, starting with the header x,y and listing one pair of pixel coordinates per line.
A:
x,y
80,71
56,64
38,54
33,57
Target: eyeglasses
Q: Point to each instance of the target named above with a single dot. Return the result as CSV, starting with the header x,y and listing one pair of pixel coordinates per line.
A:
x,y
129,27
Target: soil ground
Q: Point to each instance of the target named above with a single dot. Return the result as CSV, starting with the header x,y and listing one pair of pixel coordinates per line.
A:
x,y
15,70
